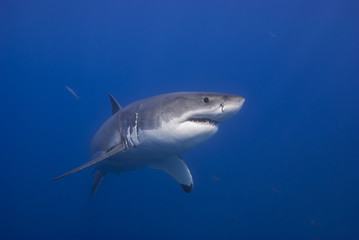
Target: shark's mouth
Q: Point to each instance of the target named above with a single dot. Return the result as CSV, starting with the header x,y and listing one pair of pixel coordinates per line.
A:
x,y
206,121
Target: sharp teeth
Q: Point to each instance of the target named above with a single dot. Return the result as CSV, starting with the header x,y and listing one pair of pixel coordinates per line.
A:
x,y
203,120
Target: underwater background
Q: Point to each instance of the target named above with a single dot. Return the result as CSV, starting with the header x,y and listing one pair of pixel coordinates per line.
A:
x,y
285,167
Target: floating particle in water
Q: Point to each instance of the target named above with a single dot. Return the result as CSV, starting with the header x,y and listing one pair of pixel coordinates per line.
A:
x,y
315,223
215,178
272,35
272,188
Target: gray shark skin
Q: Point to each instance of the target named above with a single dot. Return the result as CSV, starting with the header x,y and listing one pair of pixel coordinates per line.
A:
x,y
153,132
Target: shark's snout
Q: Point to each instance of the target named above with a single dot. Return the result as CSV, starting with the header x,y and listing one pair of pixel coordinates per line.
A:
x,y
240,101
229,107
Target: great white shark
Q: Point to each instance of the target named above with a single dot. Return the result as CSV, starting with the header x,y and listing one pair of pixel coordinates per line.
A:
x,y
153,132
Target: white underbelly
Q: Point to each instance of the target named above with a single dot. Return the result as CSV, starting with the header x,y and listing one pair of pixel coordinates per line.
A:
x,y
173,139
158,144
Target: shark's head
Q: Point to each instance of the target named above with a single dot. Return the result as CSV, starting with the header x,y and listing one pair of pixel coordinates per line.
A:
x,y
206,109
189,118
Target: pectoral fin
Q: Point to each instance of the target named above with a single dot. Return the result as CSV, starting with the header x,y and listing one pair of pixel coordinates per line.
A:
x,y
178,170
113,151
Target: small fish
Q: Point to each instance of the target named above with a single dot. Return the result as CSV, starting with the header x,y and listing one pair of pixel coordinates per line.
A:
x,y
272,188
316,223
215,178
72,92
235,217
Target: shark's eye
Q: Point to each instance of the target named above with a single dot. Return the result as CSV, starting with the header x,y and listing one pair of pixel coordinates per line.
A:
x,y
206,99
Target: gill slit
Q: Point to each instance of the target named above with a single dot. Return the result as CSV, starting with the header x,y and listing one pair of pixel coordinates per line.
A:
x,y
136,123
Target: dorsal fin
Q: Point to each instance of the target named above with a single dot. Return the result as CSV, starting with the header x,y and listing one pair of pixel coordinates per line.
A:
x,y
115,106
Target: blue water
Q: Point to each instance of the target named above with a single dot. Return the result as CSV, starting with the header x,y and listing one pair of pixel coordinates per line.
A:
x,y
288,162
